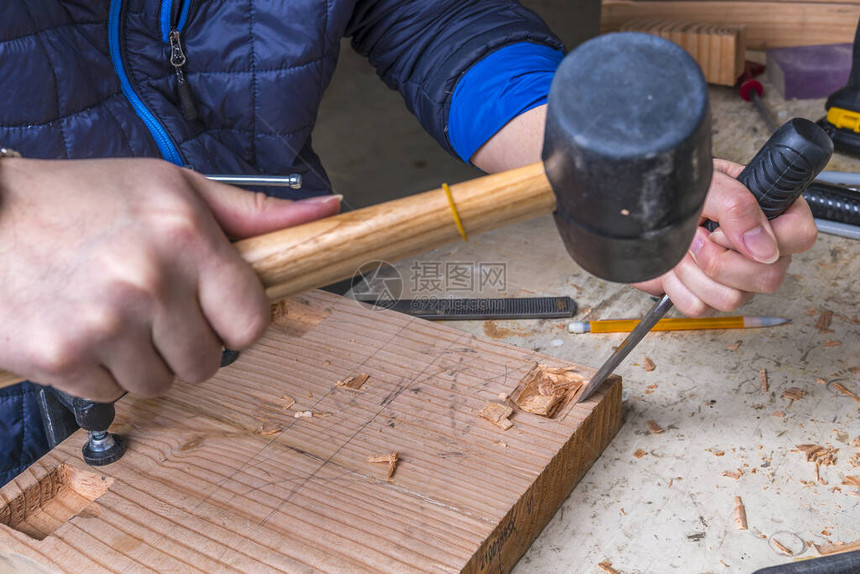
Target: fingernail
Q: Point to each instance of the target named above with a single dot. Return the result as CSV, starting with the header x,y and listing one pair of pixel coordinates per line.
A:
x,y
761,245
697,244
323,199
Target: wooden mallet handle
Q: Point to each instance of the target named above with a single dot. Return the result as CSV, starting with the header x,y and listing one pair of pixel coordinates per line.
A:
x,y
322,252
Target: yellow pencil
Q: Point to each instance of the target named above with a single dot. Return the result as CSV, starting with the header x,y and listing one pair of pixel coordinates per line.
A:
x,y
681,324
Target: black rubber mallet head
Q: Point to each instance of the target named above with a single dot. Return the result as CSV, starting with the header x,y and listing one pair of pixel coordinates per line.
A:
x,y
627,150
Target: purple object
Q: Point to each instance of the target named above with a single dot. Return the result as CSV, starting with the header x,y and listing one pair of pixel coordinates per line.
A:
x,y
808,72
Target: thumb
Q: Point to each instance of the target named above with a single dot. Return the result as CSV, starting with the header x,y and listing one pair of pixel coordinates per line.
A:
x,y
242,213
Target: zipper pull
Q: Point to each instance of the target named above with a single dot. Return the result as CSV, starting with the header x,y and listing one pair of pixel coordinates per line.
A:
x,y
183,88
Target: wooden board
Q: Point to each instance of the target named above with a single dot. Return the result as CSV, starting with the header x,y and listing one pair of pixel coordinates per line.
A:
x,y
768,24
719,49
221,477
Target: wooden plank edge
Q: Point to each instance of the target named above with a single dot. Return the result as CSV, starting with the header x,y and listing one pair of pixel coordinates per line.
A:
x,y
532,512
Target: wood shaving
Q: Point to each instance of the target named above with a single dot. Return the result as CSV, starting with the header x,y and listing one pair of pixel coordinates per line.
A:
x,y
832,343
838,548
736,475
310,414
497,414
544,389
268,429
650,389
353,382
841,388
825,456
793,393
390,459
639,453
649,364
740,514
851,481
655,428
781,547
733,346
824,320
286,402
764,384
606,566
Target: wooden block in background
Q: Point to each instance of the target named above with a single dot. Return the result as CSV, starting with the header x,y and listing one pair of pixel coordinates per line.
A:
x,y
768,24
718,49
222,476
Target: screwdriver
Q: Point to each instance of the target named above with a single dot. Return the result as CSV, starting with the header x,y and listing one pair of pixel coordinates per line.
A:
x,y
751,90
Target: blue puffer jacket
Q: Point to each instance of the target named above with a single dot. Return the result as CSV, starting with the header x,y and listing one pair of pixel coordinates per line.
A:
x,y
100,78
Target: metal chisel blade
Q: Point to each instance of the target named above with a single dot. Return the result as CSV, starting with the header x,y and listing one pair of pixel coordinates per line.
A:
x,y
646,324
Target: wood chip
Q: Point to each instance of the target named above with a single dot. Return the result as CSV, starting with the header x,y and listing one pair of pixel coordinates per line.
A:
x,y
821,381
855,461
719,453
391,459
781,547
778,414
736,475
269,429
764,384
793,393
740,514
497,414
639,453
838,548
851,481
286,402
856,442
824,320
649,364
655,428
606,566
832,343
825,456
353,382
841,388
733,346
545,389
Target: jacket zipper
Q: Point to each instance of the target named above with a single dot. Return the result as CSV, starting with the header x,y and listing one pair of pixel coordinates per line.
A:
x,y
183,88
165,145
174,14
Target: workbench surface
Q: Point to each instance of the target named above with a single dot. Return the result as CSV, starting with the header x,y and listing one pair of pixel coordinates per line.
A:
x,y
660,502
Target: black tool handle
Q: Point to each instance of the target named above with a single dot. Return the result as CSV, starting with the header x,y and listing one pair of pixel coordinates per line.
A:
x,y
785,165
833,202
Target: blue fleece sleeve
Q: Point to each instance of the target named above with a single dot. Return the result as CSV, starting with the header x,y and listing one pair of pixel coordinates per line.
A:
x,y
501,86
422,48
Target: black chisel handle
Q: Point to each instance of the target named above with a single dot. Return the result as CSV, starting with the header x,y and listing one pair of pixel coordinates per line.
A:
x,y
785,165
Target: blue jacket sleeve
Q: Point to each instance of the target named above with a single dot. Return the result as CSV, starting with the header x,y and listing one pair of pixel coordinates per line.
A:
x,y
423,47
